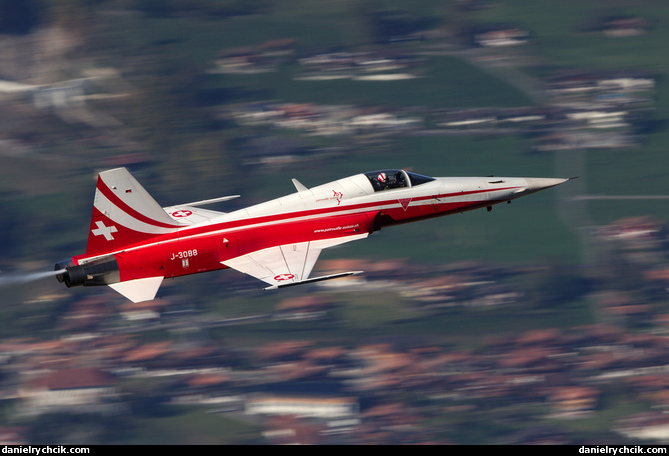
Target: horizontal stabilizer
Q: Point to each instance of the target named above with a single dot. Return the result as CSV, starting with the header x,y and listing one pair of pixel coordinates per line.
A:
x,y
191,215
139,290
314,279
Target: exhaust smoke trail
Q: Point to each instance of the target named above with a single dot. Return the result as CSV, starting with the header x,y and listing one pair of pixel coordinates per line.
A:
x,y
19,278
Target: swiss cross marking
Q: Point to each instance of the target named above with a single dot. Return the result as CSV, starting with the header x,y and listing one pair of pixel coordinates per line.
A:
x,y
105,231
182,213
282,277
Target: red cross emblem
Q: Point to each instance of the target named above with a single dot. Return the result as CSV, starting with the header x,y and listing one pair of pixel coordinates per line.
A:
x,y
284,277
182,213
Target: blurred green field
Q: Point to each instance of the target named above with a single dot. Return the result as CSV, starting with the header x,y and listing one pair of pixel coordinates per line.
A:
x,y
195,426
448,82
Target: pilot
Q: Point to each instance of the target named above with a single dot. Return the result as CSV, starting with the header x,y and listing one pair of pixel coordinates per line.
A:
x,y
383,180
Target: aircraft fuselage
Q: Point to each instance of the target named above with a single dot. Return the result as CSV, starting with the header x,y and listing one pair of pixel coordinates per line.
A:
x,y
305,221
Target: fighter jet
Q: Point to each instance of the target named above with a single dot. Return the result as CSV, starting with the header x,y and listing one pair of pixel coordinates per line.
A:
x,y
134,243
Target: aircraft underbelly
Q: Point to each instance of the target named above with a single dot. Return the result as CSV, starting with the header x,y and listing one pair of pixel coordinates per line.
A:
x,y
428,208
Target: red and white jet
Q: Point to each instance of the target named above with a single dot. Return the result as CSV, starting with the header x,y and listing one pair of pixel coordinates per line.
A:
x,y
134,243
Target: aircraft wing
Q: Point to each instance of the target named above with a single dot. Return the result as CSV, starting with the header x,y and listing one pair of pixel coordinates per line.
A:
x,y
286,265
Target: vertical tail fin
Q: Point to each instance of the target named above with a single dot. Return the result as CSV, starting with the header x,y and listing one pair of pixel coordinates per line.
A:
x,y
124,214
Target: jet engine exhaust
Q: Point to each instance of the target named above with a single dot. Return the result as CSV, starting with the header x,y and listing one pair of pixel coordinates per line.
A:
x,y
18,278
99,272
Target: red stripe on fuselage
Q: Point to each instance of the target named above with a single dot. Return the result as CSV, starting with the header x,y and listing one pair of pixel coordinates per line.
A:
x,y
287,216
291,217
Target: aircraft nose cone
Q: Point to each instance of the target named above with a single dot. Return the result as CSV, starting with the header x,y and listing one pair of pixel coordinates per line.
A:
x,y
534,184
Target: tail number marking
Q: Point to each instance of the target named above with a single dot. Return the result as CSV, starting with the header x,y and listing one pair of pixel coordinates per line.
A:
x,y
183,255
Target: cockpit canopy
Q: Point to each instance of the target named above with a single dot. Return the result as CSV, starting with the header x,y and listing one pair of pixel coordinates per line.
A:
x,y
387,179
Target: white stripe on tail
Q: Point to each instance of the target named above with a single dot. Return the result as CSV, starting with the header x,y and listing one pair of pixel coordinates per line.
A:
x,y
124,214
